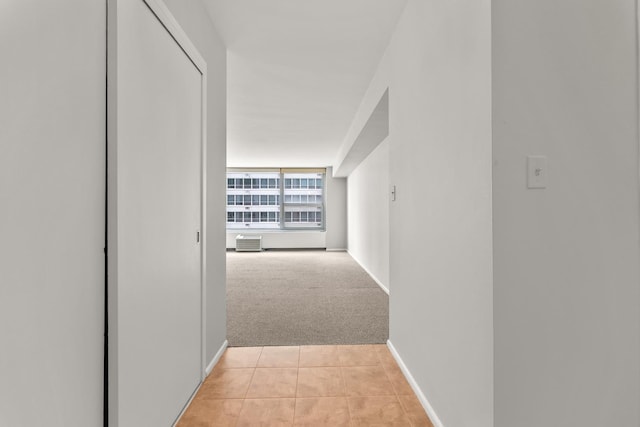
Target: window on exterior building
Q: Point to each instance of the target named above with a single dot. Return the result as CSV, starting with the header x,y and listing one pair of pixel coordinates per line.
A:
x,y
284,199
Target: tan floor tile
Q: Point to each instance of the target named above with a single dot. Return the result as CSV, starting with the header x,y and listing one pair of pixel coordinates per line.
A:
x,y
415,411
211,413
319,355
358,355
226,384
386,358
398,380
320,382
322,411
273,382
239,357
267,412
366,381
279,357
378,411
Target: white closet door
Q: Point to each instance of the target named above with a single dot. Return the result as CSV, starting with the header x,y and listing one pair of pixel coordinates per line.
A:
x,y
156,322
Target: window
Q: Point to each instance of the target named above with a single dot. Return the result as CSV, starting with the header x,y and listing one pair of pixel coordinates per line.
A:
x,y
275,200
303,201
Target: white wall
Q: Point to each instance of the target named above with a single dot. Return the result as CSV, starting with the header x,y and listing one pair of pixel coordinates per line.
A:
x,y
52,182
438,70
368,213
333,237
440,233
336,212
566,258
195,21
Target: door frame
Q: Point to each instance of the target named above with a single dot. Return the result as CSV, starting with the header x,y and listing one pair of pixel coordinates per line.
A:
x,y
171,25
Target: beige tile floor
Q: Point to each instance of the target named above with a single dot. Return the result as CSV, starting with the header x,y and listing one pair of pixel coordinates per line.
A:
x,y
344,385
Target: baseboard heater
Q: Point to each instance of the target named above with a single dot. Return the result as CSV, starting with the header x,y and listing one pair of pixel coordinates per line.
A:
x,y
248,243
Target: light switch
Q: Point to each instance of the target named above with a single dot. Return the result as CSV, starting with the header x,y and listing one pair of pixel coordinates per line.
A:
x,y
537,172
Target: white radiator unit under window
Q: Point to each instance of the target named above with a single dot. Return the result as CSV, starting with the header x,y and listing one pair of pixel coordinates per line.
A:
x,y
248,243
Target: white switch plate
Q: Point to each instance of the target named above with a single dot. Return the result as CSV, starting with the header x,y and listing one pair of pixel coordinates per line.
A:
x,y
537,172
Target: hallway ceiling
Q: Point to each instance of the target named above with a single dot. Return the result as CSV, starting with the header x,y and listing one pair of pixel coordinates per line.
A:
x,y
297,72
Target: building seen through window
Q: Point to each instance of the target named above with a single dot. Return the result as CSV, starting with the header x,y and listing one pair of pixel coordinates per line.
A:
x,y
275,199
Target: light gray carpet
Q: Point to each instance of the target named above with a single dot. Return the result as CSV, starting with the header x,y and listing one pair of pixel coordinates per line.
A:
x,y
302,297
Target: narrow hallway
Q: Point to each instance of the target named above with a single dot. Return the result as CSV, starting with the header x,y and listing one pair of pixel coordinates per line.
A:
x,y
344,385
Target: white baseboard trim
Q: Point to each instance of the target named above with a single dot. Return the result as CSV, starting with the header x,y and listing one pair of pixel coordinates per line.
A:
x,y
216,358
175,423
416,388
336,249
208,370
375,279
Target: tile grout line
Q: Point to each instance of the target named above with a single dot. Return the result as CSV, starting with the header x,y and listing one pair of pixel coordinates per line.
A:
x,y
346,397
295,394
405,411
247,391
386,373
397,396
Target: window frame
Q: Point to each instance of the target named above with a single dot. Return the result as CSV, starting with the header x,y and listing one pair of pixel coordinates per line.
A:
x,y
235,176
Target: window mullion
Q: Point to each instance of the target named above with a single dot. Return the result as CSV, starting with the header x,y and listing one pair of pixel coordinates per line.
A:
x,y
281,200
